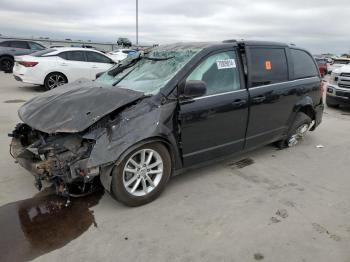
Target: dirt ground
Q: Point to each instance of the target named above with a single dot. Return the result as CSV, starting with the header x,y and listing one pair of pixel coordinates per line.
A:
x,y
275,205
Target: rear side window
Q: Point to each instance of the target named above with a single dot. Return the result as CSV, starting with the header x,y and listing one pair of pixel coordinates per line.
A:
x,y
35,46
304,65
6,44
19,44
97,58
73,56
219,72
268,66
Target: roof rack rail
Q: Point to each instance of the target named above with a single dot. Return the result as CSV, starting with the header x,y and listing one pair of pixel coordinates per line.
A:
x,y
230,41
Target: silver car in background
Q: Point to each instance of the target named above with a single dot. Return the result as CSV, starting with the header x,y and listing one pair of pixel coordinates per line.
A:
x,y
11,48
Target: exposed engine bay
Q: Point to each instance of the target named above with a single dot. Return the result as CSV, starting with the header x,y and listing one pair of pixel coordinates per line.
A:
x,y
59,159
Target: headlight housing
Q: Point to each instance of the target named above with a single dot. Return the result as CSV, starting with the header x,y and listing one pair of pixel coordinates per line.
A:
x,y
334,78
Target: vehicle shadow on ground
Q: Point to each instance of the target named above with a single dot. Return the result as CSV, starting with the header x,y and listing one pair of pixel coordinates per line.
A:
x,y
210,168
341,110
33,88
35,226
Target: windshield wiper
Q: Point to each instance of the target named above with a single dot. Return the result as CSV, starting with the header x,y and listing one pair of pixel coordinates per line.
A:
x,y
122,78
113,72
158,58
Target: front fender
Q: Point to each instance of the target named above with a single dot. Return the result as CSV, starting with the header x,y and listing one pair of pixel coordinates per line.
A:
x,y
137,124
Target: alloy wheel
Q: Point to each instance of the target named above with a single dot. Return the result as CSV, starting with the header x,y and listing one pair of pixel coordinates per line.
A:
x,y
142,172
56,80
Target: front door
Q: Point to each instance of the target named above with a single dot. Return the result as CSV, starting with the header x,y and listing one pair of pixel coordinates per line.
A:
x,y
215,124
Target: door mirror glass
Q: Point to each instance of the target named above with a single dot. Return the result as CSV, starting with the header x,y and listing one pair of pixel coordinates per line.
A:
x,y
194,88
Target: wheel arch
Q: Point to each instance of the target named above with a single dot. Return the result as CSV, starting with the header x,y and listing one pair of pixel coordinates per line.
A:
x,y
107,171
8,56
306,106
55,71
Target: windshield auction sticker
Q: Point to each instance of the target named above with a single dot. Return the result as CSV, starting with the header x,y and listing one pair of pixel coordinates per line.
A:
x,y
227,63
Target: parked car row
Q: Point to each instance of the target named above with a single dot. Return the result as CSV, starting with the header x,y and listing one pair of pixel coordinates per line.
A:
x,y
121,54
13,50
163,111
328,65
337,63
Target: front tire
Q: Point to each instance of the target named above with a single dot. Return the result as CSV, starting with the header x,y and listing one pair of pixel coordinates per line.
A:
x,y
142,175
54,80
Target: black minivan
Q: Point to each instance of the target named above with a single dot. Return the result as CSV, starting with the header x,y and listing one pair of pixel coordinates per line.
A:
x,y
165,110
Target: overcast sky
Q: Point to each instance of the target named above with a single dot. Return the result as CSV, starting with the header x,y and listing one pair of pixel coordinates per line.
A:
x,y
318,25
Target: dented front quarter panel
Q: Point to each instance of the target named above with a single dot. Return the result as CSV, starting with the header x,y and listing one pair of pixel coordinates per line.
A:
x,y
145,121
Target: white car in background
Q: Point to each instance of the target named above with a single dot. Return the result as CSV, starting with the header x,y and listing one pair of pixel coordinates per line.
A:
x,y
121,54
57,66
337,63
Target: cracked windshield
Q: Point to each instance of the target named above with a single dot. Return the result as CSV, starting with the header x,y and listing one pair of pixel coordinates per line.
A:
x,y
148,72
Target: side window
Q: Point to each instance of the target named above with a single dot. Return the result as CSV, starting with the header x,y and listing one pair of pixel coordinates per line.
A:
x,y
304,65
96,57
5,43
268,66
63,55
219,72
75,56
35,46
19,44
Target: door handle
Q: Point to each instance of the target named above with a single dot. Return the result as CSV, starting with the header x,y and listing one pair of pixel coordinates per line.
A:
x,y
94,67
259,99
239,102
63,64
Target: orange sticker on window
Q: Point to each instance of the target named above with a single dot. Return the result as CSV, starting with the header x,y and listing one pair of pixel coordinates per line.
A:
x,y
268,65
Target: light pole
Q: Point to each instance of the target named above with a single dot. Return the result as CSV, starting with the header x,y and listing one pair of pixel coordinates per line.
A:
x,y
137,22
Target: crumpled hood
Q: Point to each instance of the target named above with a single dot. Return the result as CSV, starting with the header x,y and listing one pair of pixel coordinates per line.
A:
x,y
74,107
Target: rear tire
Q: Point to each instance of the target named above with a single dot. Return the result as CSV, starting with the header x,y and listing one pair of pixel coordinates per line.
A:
x,y
142,175
54,80
6,64
297,131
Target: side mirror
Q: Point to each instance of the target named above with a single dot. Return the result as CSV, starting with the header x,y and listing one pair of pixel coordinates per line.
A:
x,y
99,74
194,88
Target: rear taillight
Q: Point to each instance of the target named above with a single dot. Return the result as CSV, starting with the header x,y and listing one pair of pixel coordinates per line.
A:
x,y
28,64
322,84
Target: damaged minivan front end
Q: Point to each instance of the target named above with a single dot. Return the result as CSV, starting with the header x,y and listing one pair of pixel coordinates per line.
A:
x,y
60,159
60,129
